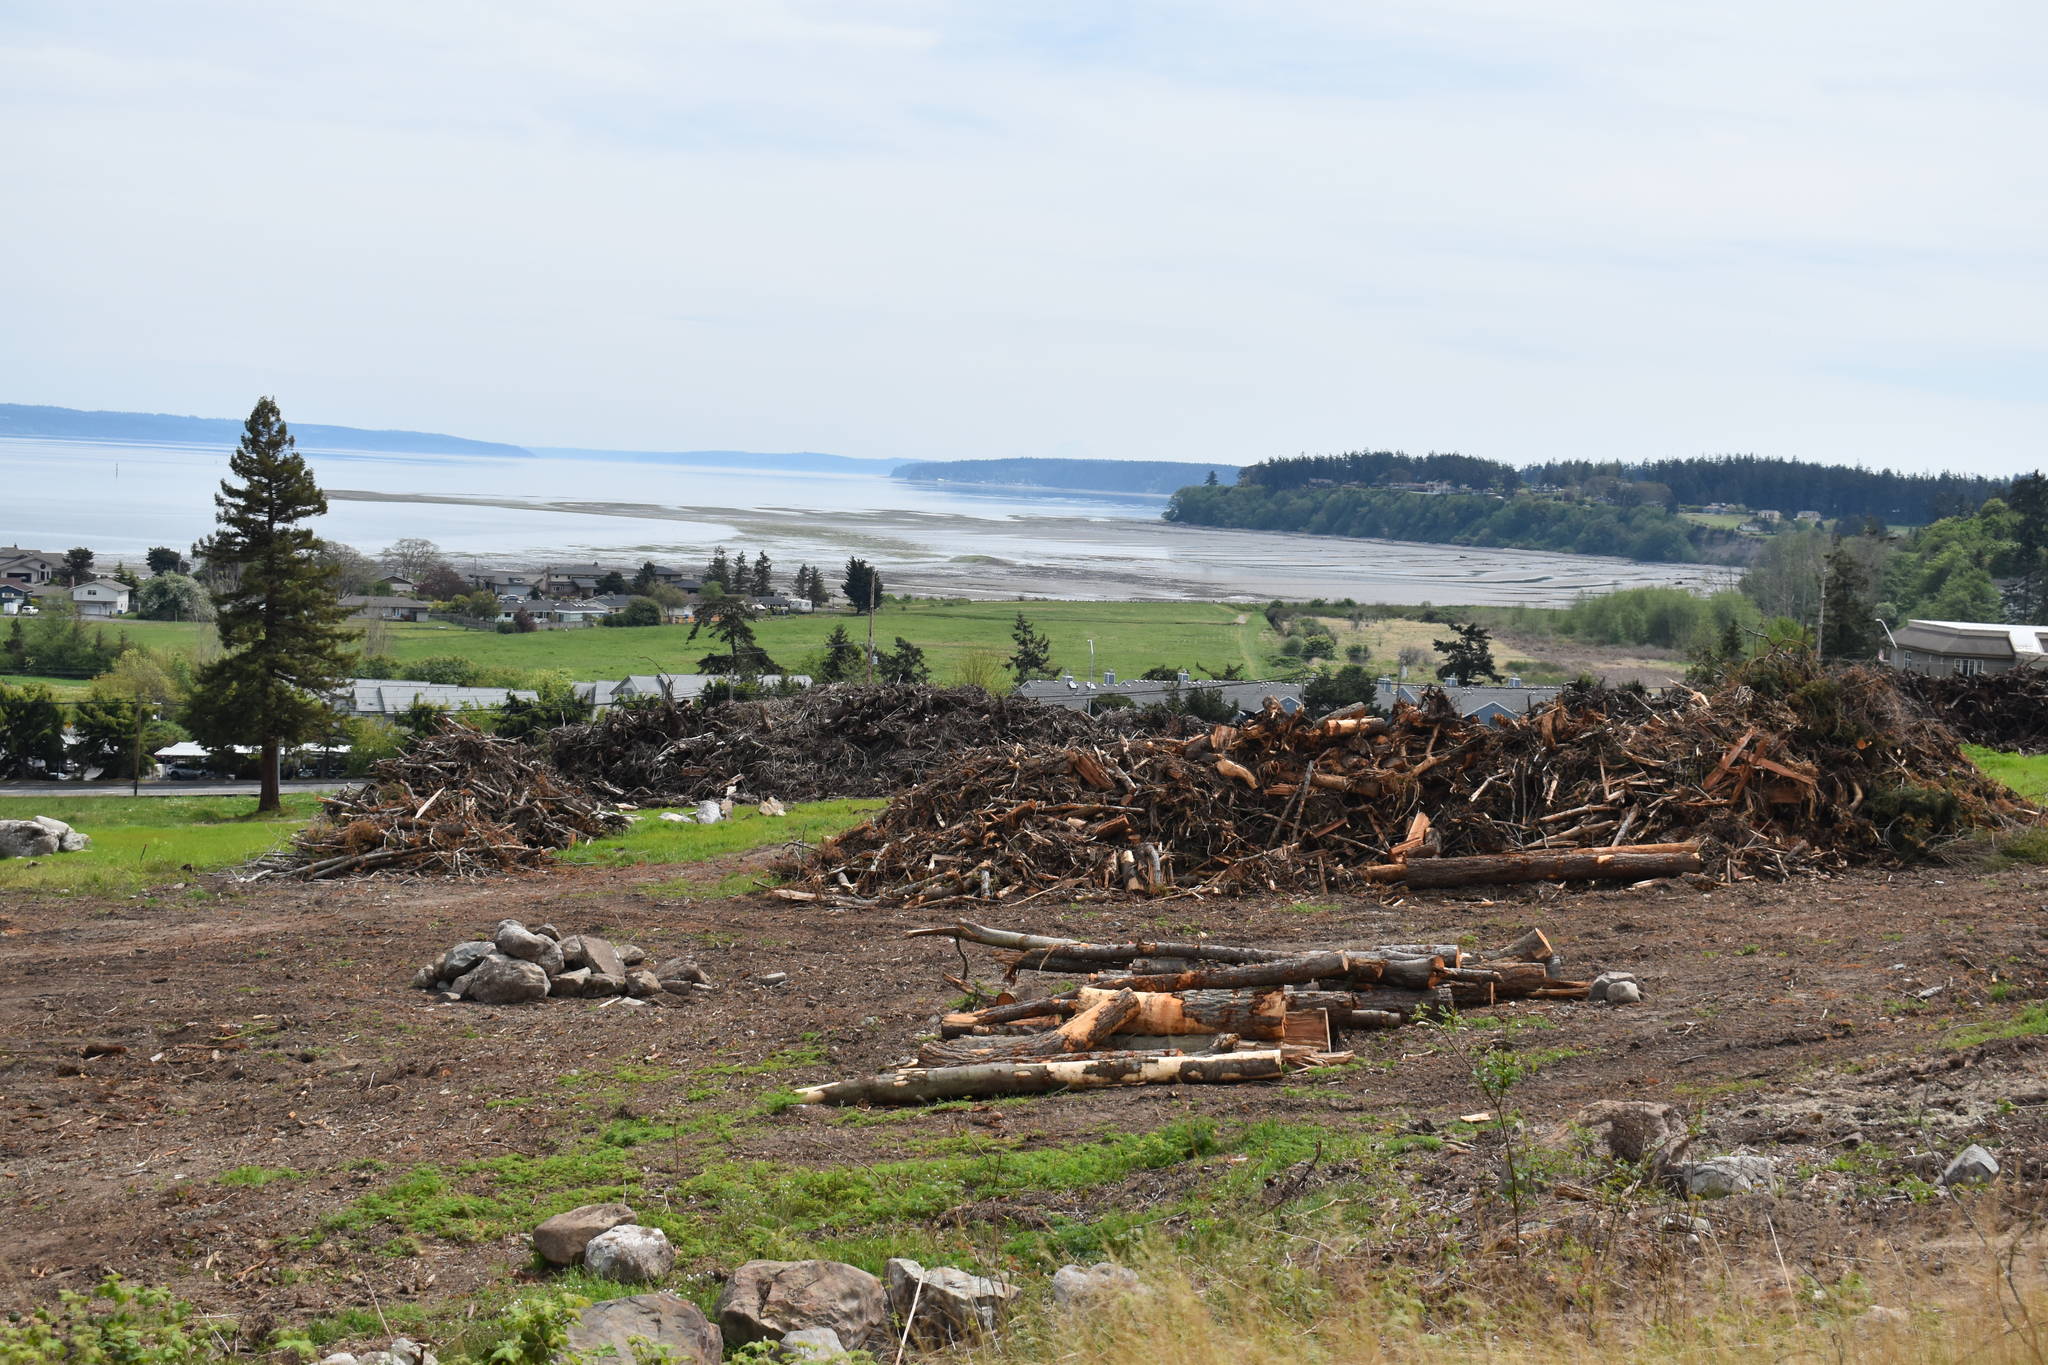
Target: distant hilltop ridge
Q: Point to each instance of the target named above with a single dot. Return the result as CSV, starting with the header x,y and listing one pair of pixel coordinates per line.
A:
x,y
1161,477
73,424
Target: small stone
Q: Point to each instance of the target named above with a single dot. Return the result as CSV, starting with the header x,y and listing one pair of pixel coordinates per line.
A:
x,y
771,979
572,952
1624,993
662,1320
678,818
1972,1166
599,986
406,1351
1603,985
708,813
642,985
515,940
767,1300
952,1304
813,1343
679,969
600,956
503,981
464,957
71,841
548,931
339,1358
630,1254
450,996
1726,1175
1697,1227
773,808
570,985
426,978
1076,1286
631,954
561,1239
1638,1129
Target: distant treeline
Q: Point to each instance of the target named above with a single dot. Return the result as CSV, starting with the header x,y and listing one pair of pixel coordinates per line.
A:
x,y
1377,467
1088,476
1642,532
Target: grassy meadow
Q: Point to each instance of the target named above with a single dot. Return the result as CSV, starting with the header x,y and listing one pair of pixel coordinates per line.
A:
x,y
147,840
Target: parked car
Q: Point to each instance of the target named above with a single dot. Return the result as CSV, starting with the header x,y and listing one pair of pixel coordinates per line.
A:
x,y
180,772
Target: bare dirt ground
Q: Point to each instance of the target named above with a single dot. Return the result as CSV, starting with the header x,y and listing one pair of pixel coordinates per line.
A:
x,y
146,1052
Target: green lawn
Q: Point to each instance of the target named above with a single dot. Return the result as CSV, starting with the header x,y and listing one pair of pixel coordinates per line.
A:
x,y
652,840
59,687
148,840
2025,774
1129,637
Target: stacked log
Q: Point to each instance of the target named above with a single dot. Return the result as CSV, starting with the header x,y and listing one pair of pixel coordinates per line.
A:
x,y
1223,1014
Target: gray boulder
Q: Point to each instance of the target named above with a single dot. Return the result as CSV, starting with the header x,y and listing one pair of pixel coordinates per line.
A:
x,y
661,1320
680,969
572,951
600,985
812,1343
561,1239
630,1254
406,1351
548,931
1726,1175
1616,988
1078,1286
25,839
71,841
952,1305
631,955
570,985
767,1300
1972,1166
642,985
1639,1130
515,940
550,959
464,957
601,957
52,824
504,981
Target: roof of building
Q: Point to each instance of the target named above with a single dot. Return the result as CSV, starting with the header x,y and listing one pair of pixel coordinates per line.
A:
x,y
385,600
1470,701
390,696
1245,695
681,686
1973,639
104,583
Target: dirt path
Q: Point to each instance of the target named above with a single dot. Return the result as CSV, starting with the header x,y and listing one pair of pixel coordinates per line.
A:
x,y
272,1028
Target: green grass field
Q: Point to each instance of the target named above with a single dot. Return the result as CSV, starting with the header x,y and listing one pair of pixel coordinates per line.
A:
x,y
655,841
148,840
2024,773
1129,637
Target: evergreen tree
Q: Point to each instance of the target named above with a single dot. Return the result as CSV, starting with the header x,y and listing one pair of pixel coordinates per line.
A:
x,y
842,658
281,622
719,569
163,559
862,585
1849,632
728,618
763,582
644,581
742,580
815,590
77,566
2027,597
1468,656
1211,480
903,665
612,581
31,732
1033,656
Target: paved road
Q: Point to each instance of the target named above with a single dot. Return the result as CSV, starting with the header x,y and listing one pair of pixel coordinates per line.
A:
x,y
64,791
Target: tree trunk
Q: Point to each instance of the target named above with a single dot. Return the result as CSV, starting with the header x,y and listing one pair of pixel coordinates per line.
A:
x,y
1027,1078
1097,1019
1250,1014
269,799
1289,971
1625,863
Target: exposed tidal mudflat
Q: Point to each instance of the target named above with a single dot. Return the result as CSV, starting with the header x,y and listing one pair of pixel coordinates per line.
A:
x,y
928,539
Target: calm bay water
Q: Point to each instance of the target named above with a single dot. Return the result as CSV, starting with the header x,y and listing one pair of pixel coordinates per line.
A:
x,y
121,498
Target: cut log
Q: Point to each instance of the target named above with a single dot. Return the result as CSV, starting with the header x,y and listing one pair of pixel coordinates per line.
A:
x,y
1250,1013
1096,1020
1533,946
1288,971
1626,863
1028,1078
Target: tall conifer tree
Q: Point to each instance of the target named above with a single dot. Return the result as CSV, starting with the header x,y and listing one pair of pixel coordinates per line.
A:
x,y
279,617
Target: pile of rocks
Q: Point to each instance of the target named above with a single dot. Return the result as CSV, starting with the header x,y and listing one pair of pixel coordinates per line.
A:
x,y
517,964
38,837
812,1309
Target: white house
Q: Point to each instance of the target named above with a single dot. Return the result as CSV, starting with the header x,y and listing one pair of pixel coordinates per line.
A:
x,y
101,597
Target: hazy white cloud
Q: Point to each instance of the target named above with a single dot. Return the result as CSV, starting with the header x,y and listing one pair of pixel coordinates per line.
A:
x,y
1214,231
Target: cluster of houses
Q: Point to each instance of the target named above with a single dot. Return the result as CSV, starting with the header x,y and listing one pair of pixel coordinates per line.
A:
x,y
29,581
554,596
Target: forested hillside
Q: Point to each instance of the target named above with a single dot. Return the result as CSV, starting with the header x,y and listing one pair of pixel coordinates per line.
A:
x,y
1088,476
1753,481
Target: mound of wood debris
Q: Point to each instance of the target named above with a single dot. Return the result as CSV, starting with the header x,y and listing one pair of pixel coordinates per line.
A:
x,y
457,802
1199,1013
822,743
2006,710
1781,769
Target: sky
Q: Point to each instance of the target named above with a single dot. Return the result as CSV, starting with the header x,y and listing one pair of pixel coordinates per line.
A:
x,y
1205,230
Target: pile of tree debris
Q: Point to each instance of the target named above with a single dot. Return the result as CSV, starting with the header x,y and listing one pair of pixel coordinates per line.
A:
x,y
1199,1013
823,743
1783,768
2006,710
458,802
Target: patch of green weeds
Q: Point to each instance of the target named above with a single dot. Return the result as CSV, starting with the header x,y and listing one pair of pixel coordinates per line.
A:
x,y
810,1052
1309,908
256,1177
2031,1020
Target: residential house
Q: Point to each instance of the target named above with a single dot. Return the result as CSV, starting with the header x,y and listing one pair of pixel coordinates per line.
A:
x,y
13,596
1969,648
387,697
1474,702
28,567
101,597
1809,518
557,611
502,584
1082,694
397,585
571,580
680,686
780,604
375,608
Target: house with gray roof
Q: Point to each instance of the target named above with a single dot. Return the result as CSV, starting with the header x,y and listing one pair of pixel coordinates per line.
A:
x,y
1082,694
387,697
1477,702
1968,648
